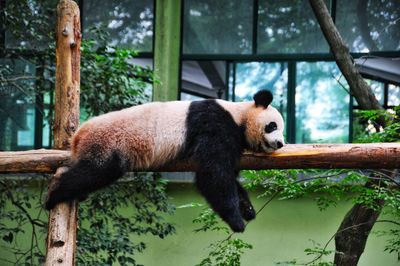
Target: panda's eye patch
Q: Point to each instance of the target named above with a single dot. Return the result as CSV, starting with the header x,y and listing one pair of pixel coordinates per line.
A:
x,y
271,127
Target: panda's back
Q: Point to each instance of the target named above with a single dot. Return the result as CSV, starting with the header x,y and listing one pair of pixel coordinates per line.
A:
x,y
147,135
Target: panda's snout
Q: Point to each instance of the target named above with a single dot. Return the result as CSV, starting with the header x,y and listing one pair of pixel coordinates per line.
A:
x,y
273,145
279,144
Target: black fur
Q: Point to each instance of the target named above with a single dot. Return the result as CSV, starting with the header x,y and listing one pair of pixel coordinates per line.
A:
x,y
246,208
216,142
263,98
85,177
271,127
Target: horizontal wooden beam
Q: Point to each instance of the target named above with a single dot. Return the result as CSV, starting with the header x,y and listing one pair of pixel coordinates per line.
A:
x,y
292,156
33,161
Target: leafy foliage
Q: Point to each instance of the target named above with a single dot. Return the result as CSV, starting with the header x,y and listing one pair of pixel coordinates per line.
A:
x,y
225,253
26,218
393,242
208,220
105,234
110,81
316,251
108,221
391,133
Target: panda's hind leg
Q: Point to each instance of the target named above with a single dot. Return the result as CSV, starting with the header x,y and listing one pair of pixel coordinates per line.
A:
x,y
83,177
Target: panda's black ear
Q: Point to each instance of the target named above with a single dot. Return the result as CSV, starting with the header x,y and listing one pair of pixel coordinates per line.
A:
x,y
263,98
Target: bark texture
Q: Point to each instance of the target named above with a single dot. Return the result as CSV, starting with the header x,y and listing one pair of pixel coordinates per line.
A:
x,y
61,239
34,161
68,43
292,156
350,243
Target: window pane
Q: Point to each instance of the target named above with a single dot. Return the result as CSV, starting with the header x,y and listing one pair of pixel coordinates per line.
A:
x,y
322,105
369,25
217,27
130,23
288,26
17,113
231,80
46,130
30,24
26,135
255,76
394,95
190,97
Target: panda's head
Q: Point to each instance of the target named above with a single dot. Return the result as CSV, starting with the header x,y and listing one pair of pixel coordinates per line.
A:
x,y
264,124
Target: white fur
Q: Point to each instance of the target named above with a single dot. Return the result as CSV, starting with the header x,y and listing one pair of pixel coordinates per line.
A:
x,y
148,135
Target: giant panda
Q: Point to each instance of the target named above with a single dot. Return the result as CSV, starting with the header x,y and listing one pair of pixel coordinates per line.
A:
x,y
212,133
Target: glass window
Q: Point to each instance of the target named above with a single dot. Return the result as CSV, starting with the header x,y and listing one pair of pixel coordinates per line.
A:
x,y
217,27
129,23
394,95
288,26
369,25
190,97
17,99
255,76
32,23
26,135
322,104
47,132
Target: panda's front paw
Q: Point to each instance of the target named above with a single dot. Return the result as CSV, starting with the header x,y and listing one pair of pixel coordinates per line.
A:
x,y
247,211
249,214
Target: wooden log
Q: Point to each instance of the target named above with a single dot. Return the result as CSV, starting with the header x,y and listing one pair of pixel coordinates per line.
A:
x,y
61,239
61,235
292,156
34,161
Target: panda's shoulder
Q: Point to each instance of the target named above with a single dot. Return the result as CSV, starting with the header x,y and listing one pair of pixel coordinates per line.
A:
x,y
210,112
204,107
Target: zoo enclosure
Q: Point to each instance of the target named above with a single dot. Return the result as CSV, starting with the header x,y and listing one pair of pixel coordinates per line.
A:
x,y
61,242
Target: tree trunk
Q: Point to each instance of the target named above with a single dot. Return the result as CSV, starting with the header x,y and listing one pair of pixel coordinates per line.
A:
x,y
350,243
61,239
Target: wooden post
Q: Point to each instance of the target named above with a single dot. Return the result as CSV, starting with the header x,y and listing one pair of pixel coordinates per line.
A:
x,y
61,239
167,49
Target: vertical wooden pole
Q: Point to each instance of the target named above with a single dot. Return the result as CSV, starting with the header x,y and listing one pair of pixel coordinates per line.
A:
x,y
61,239
167,49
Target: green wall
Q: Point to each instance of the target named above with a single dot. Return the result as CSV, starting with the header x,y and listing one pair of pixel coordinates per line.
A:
x,y
280,232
